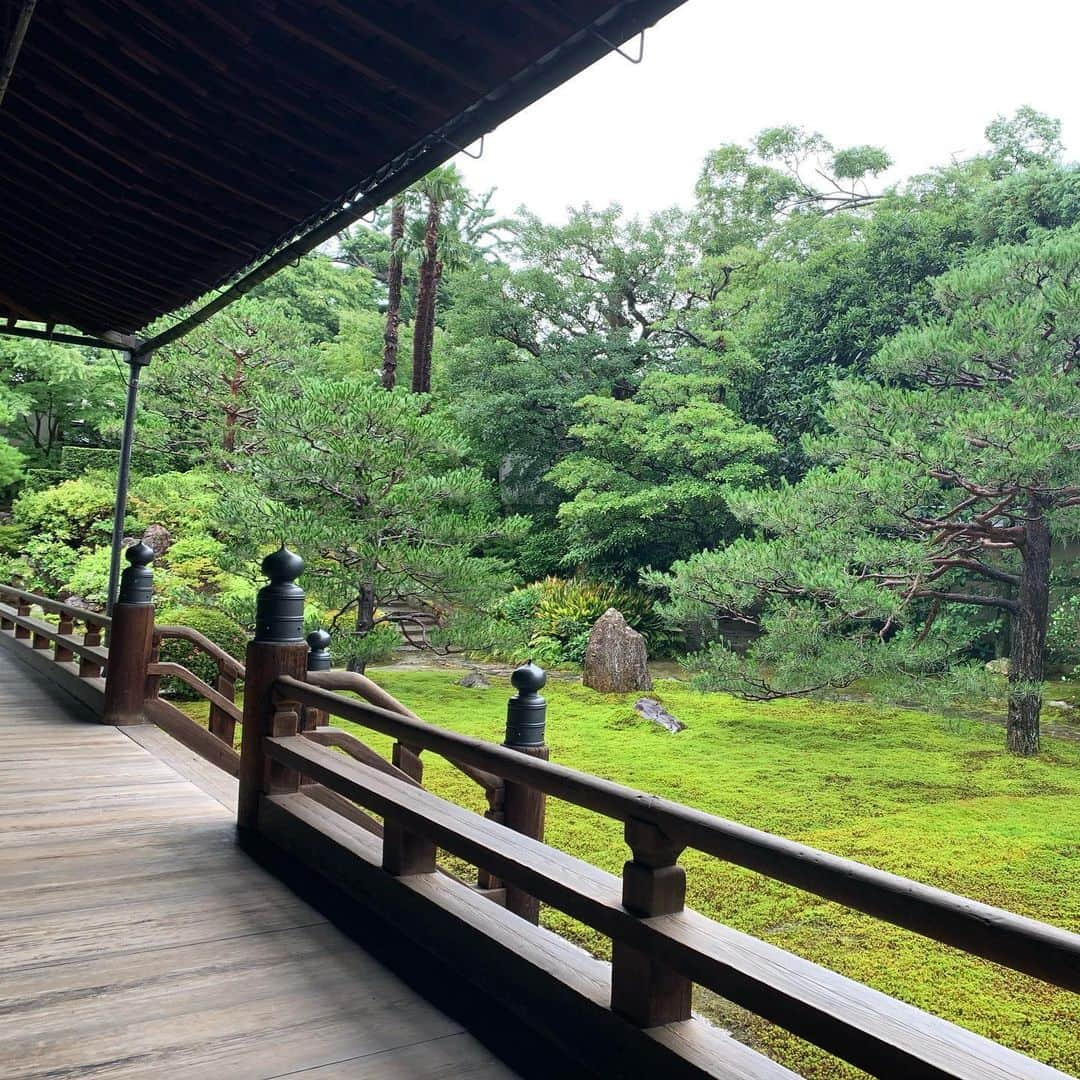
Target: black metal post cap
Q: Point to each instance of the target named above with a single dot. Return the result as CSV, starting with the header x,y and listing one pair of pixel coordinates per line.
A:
x,y
137,580
279,606
528,679
282,565
319,651
526,712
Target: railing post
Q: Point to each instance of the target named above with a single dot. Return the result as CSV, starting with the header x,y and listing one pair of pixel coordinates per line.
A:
x,y
278,649
523,807
131,640
318,659
646,992
23,609
220,723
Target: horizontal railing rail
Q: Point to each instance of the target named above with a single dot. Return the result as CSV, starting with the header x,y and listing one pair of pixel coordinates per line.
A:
x,y
225,661
55,607
1023,944
375,695
860,1025
66,645
203,689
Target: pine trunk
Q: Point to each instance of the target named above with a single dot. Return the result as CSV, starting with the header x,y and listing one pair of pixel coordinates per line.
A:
x,y
424,324
365,620
393,294
1027,654
232,406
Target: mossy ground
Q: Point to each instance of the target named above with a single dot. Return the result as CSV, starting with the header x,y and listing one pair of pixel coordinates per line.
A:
x,y
934,799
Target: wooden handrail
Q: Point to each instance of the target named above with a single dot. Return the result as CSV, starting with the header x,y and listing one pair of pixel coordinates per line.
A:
x,y
1026,945
858,1024
362,685
41,628
57,607
226,663
178,671
377,696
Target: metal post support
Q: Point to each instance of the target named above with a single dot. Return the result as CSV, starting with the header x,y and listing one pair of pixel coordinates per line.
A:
x,y
136,362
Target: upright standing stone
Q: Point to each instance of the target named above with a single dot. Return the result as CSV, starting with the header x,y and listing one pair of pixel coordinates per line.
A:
x,y
616,660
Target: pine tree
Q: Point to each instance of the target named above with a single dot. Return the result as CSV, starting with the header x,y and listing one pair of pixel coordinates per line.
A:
x,y
941,486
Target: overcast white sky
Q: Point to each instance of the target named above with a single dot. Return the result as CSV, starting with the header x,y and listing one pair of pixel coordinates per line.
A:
x,y
920,77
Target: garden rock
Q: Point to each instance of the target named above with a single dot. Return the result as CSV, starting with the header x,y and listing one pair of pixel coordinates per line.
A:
x,y
616,660
157,537
999,666
654,711
474,681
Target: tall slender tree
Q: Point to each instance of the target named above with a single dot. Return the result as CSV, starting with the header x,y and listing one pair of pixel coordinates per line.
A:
x,y
437,188
394,275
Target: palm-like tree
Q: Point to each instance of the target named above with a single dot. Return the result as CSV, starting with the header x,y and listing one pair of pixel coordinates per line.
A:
x,y
438,188
435,226
394,275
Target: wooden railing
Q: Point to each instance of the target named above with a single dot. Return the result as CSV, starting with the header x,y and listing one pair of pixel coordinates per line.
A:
x,y
70,649
306,787
660,948
224,713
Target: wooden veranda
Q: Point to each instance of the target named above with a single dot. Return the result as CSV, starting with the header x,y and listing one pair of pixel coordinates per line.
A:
x,y
137,939
172,906
126,880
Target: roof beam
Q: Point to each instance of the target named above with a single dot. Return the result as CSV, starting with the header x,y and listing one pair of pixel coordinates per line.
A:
x,y
62,338
22,24
501,103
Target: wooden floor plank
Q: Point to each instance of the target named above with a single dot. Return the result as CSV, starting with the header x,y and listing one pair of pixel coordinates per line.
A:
x,y
137,940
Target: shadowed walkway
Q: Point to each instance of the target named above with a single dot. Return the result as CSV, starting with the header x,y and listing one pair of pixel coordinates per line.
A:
x,y
137,940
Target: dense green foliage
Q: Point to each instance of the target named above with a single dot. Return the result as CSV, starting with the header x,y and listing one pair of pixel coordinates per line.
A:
x,y
371,486
784,367
955,462
550,620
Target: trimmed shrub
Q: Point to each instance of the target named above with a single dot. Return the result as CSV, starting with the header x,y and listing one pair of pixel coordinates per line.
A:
x,y
76,460
218,627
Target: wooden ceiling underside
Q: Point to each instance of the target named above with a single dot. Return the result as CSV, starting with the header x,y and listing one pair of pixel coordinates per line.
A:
x,y
151,150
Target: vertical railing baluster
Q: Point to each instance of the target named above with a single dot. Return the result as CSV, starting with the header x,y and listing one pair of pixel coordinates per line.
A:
x,y
221,723
91,636
644,990
404,852
23,609
66,626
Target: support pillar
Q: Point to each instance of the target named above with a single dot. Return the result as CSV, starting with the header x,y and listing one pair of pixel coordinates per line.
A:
x,y
131,638
643,989
277,649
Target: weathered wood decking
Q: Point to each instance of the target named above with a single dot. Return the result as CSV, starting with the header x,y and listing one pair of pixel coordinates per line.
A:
x,y
137,940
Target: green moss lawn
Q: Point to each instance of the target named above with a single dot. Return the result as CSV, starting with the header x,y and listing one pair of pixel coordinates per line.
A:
x,y
933,799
